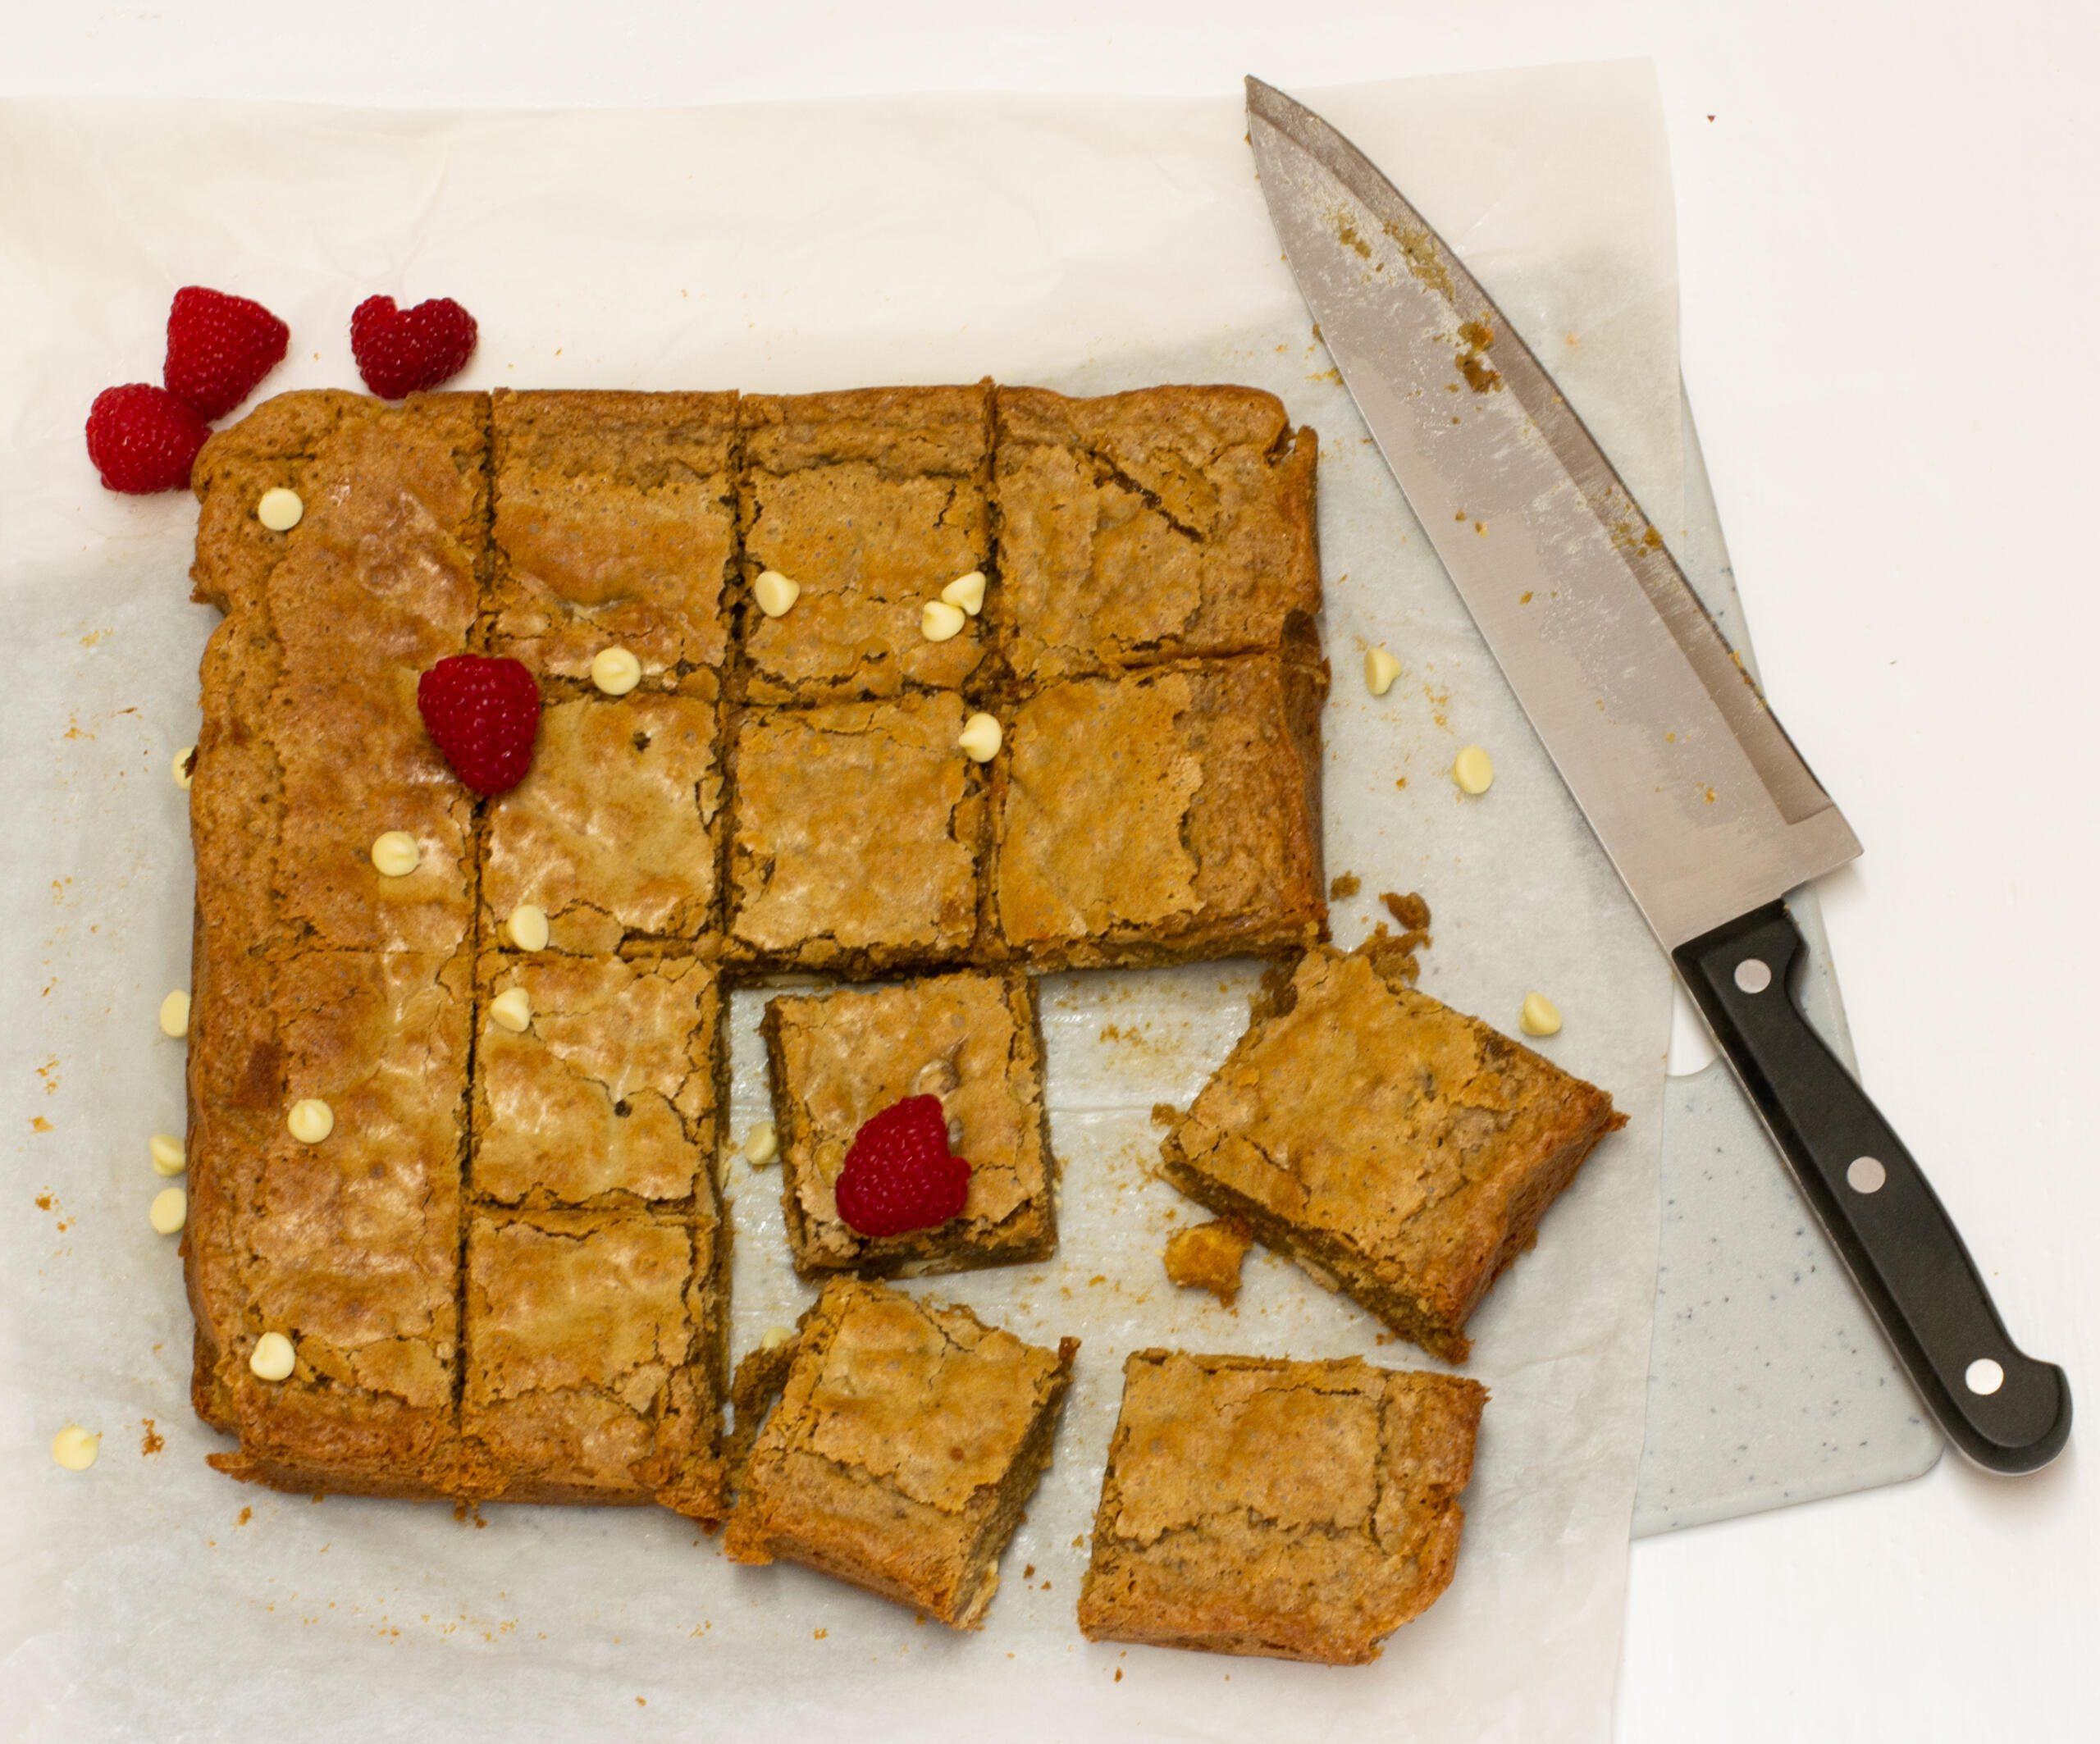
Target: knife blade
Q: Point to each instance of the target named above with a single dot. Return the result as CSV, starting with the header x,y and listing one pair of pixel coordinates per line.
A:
x,y
1707,811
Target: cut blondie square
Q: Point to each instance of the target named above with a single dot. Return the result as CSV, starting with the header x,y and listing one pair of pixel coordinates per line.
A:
x,y
615,519
1395,1148
1162,815
841,1056
614,834
612,1092
871,502
857,839
906,1439
1291,1510
1153,525
595,1357
340,1232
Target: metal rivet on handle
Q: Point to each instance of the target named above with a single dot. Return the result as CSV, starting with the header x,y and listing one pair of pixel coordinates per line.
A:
x,y
1984,1376
1753,975
1865,1174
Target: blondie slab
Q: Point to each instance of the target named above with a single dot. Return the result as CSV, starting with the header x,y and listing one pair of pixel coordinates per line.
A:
x,y
348,1247
905,1440
1151,525
857,835
1162,815
595,1357
1390,1145
1293,1510
872,501
614,834
838,1057
616,521
612,1095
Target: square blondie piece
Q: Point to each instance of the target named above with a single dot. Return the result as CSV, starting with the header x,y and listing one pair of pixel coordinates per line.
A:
x,y
311,745
1153,525
594,1359
1389,1145
839,1057
615,520
613,1095
906,1439
1162,815
1291,1510
348,1247
857,838
872,501
615,833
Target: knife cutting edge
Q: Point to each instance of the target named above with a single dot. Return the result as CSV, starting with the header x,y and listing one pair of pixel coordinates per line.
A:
x,y
1704,806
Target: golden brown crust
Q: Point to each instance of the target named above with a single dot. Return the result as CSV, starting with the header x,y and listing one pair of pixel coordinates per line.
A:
x,y
839,1057
857,834
1455,1142
615,833
1156,524
610,1096
1162,815
615,526
906,1439
1208,1256
1293,1510
872,501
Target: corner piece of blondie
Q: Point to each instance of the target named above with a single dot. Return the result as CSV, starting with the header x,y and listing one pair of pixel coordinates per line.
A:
x,y
904,1441
1288,1510
1397,1150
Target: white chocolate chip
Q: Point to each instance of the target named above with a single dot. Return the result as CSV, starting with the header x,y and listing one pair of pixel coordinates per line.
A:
x,y
775,593
75,1448
1540,1015
513,1009
775,1336
981,737
967,592
955,1133
169,1211
396,853
273,1357
528,927
175,1015
280,509
311,1120
182,768
1473,770
762,1145
166,1151
936,1078
1380,670
938,620
615,671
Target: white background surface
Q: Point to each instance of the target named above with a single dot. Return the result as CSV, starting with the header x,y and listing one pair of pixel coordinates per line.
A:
x,y
1888,263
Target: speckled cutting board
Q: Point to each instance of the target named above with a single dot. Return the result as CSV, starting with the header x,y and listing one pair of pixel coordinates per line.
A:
x,y
1768,1383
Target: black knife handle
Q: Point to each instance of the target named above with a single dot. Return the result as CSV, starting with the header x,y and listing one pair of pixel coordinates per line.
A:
x,y
2003,1410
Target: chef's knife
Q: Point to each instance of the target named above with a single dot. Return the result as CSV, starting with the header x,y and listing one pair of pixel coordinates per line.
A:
x,y
1698,796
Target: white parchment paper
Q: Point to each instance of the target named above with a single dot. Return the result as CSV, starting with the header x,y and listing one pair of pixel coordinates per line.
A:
x,y
1082,243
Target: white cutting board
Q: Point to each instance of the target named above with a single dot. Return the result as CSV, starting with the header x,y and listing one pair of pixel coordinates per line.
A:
x,y
1768,1383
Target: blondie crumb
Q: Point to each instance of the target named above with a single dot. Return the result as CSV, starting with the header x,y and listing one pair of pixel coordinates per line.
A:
x,y
1208,1256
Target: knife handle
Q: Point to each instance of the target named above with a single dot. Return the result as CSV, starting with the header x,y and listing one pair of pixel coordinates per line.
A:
x,y
2002,1408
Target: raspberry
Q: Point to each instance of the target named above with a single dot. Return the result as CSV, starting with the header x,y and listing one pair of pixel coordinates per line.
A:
x,y
483,714
219,347
898,1174
402,351
142,438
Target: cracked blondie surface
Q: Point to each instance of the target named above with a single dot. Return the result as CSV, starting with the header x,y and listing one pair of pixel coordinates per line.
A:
x,y
1457,1141
838,1057
872,501
1292,1510
905,1439
1153,525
